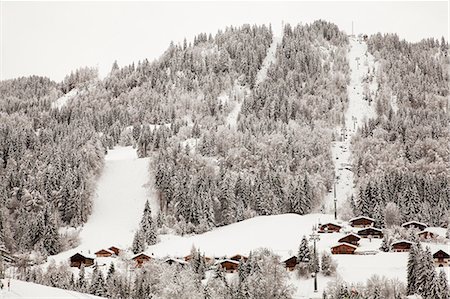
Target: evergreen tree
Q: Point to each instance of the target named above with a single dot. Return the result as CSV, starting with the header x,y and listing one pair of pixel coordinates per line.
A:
x,y
412,270
138,242
444,292
304,253
81,284
97,286
148,227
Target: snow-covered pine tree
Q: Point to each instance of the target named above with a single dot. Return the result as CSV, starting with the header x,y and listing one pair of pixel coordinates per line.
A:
x,y
304,253
444,292
138,242
328,265
97,286
50,239
148,226
412,269
81,284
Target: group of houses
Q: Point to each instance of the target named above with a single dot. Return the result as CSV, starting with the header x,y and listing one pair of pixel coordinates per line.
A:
x,y
88,259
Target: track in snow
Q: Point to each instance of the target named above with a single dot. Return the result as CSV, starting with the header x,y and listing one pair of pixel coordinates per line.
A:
x,y
361,61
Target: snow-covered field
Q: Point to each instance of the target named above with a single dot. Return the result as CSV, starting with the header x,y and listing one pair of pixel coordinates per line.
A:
x,y
122,190
358,110
27,290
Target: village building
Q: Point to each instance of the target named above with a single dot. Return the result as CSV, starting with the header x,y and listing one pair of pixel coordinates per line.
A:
x,y
426,235
350,239
362,222
402,246
343,248
104,253
290,263
174,261
79,259
115,250
370,232
441,258
239,257
207,259
329,228
415,224
141,258
230,266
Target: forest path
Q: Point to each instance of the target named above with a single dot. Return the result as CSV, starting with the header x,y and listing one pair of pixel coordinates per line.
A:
x,y
358,109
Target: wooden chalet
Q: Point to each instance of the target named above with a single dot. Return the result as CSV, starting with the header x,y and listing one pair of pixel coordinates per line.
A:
x,y
426,235
343,248
207,259
362,222
230,266
351,238
441,259
329,228
174,261
104,253
79,259
415,224
239,257
115,250
290,263
141,258
370,232
402,246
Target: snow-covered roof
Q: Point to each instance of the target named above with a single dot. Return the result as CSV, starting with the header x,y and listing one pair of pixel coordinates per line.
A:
x,y
402,241
368,228
333,223
440,231
138,254
414,222
346,244
107,250
350,234
180,261
85,255
361,217
226,260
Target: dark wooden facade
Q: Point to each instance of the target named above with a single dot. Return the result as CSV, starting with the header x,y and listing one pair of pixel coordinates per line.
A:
x,y
350,239
230,266
238,258
115,250
140,259
104,253
343,248
329,228
441,259
415,224
79,259
426,235
402,246
290,263
370,232
362,222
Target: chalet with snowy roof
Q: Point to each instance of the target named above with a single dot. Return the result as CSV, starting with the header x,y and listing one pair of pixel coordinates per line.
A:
x,y
343,248
426,235
329,228
174,261
141,258
104,253
362,222
441,258
230,266
415,224
370,232
207,259
79,259
350,239
290,263
239,257
115,249
402,246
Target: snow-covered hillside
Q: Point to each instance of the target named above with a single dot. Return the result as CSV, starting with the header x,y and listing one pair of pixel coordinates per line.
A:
x,y
122,190
62,101
358,109
27,290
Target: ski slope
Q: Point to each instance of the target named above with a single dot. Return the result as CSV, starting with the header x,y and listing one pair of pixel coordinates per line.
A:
x,y
27,290
118,204
358,110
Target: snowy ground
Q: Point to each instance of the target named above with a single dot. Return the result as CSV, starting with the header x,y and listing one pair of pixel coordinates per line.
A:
x,y
122,190
357,111
268,60
27,290
62,101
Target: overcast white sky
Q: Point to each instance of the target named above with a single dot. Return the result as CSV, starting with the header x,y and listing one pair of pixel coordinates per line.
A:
x,y
53,38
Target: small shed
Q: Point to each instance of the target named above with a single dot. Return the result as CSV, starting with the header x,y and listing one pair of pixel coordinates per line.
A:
x,y
441,258
415,224
290,263
174,261
402,246
370,232
79,259
343,248
239,257
351,238
104,253
230,266
362,222
329,228
115,249
141,258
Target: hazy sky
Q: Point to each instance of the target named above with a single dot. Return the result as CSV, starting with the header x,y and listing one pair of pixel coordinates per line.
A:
x,y
53,38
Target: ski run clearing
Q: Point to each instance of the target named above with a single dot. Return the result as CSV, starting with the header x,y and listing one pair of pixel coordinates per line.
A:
x,y
62,101
27,290
358,110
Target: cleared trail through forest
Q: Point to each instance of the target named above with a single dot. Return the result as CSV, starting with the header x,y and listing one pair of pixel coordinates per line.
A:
x,y
361,64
